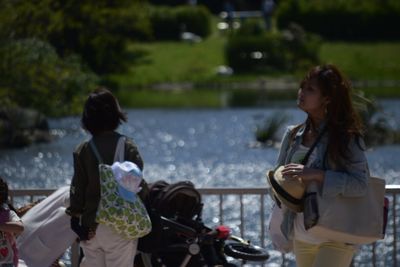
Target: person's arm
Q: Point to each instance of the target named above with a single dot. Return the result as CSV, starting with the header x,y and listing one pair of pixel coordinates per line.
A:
x,y
285,143
78,187
353,180
14,226
350,181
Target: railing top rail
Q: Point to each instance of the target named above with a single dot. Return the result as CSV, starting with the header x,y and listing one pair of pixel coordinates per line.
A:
x,y
390,189
393,188
30,192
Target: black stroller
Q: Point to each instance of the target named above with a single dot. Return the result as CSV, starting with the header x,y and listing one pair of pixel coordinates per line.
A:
x,y
179,237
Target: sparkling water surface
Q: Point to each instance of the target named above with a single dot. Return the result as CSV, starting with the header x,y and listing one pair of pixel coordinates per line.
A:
x,y
210,147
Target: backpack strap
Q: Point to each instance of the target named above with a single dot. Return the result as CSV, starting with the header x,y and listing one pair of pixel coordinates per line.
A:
x,y
120,150
95,151
119,154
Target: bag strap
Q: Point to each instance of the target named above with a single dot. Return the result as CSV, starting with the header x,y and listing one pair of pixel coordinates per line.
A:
x,y
119,150
95,151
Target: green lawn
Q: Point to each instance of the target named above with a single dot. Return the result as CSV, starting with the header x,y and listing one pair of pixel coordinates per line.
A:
x,y
165,62
173,62
365,61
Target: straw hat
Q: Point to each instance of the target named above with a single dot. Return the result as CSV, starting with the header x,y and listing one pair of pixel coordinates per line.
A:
x,y
287,190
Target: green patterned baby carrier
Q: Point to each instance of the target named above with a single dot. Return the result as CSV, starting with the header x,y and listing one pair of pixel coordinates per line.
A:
x,y
120,207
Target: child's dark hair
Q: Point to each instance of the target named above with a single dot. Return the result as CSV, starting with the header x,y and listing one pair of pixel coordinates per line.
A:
x,y
3,191
102,112
4,194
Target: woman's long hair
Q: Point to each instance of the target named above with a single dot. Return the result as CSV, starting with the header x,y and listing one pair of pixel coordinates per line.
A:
x,y
342,120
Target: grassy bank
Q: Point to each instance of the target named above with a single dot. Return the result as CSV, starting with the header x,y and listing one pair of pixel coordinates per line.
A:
x,y
178,62
164,62
171,99
211,98
365,61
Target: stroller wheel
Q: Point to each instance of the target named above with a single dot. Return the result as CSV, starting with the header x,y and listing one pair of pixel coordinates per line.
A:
x,y
245,251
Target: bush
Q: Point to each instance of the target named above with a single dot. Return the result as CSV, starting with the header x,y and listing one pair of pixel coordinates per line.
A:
x,y
252,27
283,51
32,75
195,19
165,25
344,20
168,23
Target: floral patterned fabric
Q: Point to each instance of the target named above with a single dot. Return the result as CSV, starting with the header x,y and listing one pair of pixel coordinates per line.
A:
x,y
129,219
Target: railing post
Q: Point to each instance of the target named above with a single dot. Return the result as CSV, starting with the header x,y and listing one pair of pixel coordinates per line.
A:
x,y
75,254
262,220
241,216
221,212
394,231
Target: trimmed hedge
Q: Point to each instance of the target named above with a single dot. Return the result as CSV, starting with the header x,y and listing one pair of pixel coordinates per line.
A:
x,y
168,22
344,19
287,50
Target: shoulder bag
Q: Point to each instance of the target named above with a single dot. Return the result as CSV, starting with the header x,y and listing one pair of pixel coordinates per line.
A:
x,y
353,220
119,207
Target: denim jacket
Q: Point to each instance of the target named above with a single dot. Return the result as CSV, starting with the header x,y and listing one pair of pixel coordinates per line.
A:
x,y
350,180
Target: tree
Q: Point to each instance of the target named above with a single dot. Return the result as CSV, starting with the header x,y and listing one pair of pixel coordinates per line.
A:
x,y
97,30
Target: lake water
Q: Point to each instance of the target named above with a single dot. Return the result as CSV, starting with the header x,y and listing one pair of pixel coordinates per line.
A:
x,y
212,148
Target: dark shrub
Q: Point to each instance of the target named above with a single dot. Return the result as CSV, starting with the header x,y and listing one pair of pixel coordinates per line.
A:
x,y
168,22
283,51
344,20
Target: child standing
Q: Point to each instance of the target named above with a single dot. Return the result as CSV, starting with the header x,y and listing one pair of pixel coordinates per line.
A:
x,y
10,225
102,246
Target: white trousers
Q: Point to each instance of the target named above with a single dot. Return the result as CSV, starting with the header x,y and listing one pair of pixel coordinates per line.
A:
x,y
108,249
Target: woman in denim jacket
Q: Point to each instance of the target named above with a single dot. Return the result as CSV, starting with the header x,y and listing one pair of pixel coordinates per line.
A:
x,y
337,164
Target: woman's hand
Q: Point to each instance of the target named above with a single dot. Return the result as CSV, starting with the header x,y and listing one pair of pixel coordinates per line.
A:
x,y
306,174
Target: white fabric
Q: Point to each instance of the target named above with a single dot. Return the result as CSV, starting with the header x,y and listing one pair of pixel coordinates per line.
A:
x,y
47,231
108,249
120,150
128,174
301,152
21,263
300,232
279,241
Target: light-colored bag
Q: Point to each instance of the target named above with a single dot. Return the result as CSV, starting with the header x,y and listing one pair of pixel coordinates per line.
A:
x,y
120,208
279,241
47,230
353,220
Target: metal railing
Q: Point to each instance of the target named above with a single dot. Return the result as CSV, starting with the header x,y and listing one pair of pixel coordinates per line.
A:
x,y
392,191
